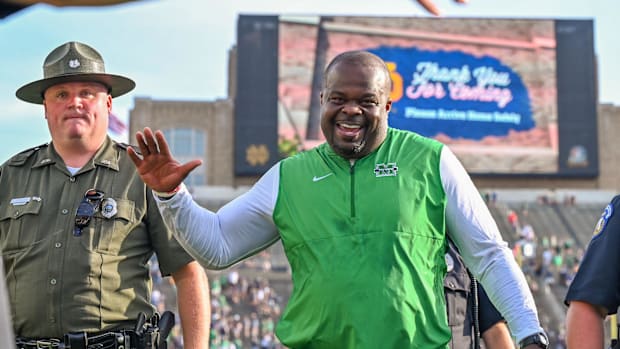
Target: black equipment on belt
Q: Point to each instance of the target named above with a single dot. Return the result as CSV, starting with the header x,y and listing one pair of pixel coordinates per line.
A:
x,y
150,334
475,309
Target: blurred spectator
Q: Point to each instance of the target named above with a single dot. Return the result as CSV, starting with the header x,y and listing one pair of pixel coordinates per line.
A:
x,y
513,220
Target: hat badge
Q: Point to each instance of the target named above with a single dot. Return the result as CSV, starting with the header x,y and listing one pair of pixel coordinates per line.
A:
x,y
74,63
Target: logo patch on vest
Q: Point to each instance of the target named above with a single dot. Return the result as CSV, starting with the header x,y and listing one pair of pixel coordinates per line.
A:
x,y
319,178
386,170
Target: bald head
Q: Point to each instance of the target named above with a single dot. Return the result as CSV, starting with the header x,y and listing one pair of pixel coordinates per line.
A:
x,y
362,59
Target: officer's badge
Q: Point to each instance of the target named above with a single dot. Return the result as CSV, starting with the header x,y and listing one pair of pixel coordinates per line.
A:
x,y
109,208
449,262
602,222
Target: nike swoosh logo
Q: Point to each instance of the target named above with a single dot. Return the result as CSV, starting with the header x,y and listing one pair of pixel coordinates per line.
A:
x,y
316,179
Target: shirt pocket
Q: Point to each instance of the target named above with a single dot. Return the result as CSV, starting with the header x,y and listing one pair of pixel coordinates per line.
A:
x,y
20,225
457,294
456,307
108,234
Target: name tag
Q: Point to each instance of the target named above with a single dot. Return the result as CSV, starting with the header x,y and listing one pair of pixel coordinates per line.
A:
x,y
24,200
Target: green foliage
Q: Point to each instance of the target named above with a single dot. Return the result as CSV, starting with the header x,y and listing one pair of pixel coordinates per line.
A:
x,y
288,147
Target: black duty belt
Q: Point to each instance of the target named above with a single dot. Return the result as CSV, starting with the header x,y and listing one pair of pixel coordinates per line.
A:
x,y
82,340
147,335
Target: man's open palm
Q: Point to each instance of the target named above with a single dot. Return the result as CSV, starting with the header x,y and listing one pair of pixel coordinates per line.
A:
x,y
155,164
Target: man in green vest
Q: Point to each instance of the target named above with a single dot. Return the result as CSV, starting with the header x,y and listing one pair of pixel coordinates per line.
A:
x,y
362,220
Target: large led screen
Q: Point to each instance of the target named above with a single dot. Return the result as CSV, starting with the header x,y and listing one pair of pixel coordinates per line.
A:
x,y
508,96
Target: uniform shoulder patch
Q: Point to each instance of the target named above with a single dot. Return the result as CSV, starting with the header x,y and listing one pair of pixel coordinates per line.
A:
x,y
602,222
21,157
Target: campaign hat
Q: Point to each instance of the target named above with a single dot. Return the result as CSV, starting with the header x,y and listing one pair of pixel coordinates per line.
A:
x,y
74,62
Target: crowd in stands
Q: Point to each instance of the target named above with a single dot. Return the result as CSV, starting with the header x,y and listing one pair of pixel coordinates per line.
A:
x,y
550,198
244,305
547,260
550,259
244,312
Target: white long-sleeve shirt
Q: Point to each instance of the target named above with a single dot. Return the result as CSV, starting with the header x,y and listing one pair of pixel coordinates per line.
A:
x,y
245,226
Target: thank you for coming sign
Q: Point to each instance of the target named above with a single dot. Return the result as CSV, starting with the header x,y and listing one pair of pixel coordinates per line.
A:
x,y
455,94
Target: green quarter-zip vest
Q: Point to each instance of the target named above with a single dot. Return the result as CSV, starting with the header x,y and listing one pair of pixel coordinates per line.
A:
x,y
366,245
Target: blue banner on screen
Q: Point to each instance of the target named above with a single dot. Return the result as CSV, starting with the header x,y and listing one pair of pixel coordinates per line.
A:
x,y
455,94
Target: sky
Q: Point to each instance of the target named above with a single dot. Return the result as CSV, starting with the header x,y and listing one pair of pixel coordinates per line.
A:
x,y
178,49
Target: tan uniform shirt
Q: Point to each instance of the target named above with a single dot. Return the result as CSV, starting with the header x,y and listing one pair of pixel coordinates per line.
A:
x,y
58,282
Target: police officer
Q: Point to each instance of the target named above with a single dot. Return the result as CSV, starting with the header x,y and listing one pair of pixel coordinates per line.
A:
x,y
470,312
595,291
78,226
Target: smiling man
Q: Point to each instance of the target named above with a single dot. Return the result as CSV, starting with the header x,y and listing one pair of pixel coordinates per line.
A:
x,y
354,110
362,220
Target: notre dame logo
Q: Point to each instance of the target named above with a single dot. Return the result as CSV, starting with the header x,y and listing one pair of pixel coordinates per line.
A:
x,y
257,155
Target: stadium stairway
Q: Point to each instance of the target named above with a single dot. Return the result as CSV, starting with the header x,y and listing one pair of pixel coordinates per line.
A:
x,y
570,223
545,222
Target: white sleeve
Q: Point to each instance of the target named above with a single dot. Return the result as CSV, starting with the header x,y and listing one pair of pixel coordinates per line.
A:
x,y
238,230
486,254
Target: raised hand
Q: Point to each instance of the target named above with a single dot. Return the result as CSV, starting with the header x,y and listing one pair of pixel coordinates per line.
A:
x,y
429,5
155,165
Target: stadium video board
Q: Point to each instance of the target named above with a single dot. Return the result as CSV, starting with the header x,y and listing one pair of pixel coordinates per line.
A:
x,y
508,96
